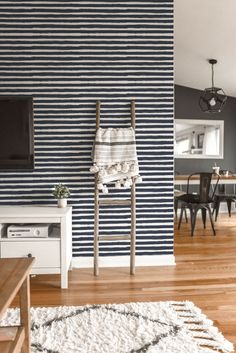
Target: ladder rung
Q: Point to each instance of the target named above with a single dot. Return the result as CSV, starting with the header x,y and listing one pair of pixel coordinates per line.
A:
x,y
114,237
114,202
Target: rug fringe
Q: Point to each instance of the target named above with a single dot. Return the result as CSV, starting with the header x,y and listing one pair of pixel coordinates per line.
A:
x,y
208,337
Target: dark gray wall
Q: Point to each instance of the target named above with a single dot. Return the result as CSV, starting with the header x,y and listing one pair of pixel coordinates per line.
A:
x,y
186,107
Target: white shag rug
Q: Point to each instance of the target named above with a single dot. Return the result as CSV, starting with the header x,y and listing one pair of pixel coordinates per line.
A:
x,y
159,327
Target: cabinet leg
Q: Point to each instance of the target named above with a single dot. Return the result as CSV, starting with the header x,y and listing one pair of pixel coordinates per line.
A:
x,y
64,279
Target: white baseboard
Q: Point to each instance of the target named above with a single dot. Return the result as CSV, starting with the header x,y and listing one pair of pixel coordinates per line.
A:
x,y
124,261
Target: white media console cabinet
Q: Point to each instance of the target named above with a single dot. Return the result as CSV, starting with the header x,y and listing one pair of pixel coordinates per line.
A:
x,y
53,254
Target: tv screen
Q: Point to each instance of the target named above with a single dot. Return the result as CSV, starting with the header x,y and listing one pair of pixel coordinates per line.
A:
x,y
16,132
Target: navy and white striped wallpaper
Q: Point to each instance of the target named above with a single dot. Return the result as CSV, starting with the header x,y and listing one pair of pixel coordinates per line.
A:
x,y
67,55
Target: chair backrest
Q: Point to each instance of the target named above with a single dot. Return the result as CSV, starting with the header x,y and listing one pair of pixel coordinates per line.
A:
x,y
205,191
222,187
178,187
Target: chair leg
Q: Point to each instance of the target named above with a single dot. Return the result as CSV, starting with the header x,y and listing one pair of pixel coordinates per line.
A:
x,y
176,206
211,219
181,216
217,207
204,217
185,215
193,213
229,207
213,208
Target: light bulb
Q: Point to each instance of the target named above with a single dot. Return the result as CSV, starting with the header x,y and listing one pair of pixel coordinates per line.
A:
x,y
212,102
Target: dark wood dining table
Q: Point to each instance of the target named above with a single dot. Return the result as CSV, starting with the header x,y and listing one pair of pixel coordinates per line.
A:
x,y
183,179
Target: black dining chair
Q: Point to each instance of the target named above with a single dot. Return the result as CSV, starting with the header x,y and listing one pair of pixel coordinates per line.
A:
x,y
177,193
222,195
200,200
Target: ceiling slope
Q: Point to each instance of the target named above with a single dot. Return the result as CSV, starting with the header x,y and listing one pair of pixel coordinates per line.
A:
x,y
205,29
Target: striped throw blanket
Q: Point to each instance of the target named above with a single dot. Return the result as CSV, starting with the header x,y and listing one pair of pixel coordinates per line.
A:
x,y
115,157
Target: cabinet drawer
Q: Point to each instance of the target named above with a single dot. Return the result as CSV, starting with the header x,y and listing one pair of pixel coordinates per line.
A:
x,y
47,254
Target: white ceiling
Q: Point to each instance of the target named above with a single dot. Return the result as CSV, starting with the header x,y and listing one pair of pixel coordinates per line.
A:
x,y
205,29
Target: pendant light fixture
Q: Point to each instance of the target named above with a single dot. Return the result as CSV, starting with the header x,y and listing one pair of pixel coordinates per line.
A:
x,y
213,99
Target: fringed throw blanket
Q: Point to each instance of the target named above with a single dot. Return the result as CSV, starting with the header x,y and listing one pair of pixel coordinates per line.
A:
x,y
115,157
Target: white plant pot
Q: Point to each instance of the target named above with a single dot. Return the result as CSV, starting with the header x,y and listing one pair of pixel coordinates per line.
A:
x,y
62,203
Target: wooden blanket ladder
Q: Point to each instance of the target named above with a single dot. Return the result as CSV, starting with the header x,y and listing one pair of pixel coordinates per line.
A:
x,y
99,202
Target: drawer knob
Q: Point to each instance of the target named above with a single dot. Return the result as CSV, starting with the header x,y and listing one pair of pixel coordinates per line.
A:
x,y
29,255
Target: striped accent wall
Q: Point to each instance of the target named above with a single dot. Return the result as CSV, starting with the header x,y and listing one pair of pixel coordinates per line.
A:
x,y
67,54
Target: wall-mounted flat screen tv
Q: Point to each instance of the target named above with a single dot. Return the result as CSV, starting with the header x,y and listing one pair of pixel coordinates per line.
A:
x,y
16,133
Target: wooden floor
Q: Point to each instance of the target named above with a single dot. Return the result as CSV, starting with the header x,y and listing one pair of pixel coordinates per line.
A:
x,y
205,274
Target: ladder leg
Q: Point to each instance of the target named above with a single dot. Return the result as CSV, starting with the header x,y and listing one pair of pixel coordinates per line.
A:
x,y
132,113
96,206
96,229
133,229
133,204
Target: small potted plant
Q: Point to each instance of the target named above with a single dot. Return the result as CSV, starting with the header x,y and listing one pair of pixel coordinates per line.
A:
x,y
61,193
